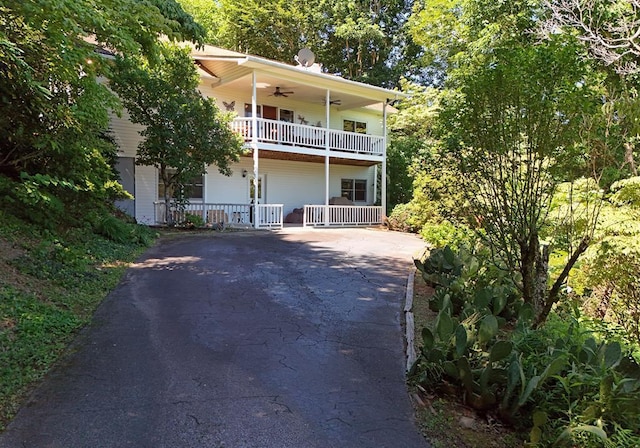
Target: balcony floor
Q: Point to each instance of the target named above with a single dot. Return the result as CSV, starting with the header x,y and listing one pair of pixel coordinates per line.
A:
x,y
298,157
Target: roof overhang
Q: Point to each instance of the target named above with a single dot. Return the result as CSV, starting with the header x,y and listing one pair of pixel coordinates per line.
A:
x,y
224,67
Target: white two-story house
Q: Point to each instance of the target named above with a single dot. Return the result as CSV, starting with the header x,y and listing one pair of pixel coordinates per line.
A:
x,y
315,147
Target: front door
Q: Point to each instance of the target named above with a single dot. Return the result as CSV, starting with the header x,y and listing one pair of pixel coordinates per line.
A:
x,y
270,112
261,199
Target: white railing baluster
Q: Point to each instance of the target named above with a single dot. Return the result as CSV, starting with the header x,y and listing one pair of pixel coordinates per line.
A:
x,y
270,216
342,215
280,132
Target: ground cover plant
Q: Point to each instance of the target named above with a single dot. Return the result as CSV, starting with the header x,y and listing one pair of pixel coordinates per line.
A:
x,y
50,285
573,381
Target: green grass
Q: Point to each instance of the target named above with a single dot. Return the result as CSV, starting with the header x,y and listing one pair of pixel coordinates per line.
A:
x,y
50,286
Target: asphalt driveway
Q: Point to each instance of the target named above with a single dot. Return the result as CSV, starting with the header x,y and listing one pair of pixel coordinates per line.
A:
x,y
249,339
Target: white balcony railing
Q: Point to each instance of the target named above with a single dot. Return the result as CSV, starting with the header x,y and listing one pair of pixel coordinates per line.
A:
x,y
283,133
341,215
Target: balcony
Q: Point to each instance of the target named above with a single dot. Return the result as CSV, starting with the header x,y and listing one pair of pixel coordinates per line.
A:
x,y
291,137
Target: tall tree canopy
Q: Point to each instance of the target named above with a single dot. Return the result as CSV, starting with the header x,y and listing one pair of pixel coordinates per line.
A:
x,y
512,116
363,40
55,109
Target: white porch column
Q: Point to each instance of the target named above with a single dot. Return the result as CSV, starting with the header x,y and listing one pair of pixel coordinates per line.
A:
x,y
383,181
375,183
254,146
326,158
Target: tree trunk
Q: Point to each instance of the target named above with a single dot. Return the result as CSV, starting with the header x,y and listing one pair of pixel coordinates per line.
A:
x,y
534,270
554,292
628,158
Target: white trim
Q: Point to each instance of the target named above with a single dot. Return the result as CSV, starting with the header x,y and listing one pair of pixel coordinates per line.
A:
x,y
383,192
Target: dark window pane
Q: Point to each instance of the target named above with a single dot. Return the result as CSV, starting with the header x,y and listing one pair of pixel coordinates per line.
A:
x,y
192,189
286,115
361,128
349,125
360,190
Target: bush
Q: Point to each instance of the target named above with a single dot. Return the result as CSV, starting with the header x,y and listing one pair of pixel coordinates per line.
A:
x,y
399,219
571,382
445,233
122,232
191,220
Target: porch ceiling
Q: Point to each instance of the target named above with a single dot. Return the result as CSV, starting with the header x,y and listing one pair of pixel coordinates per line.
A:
x,y
234,70
276,155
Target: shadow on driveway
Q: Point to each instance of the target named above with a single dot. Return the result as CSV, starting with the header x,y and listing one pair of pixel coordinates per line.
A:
x,y
248,339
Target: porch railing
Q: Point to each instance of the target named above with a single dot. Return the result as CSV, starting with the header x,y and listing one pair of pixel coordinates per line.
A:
x,y
281,132
215,214
270,216
341,215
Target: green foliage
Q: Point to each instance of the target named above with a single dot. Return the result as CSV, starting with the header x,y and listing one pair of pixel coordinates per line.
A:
x,y
118,231
51,285
566,383
191,220
54,103
399,218
184,131
358,40
509,127
467,285
274,30
607,278
445,233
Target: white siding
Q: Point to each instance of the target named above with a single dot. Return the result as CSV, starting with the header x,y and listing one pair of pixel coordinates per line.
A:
x,y
146,193
293,184
126,134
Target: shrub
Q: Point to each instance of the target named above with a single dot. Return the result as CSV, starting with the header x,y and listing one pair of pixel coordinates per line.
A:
x,y
191,220
399,219
122,232
445,233
571,382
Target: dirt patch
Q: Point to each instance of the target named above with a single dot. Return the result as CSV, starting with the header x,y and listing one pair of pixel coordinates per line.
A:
x,y
12,277
9,250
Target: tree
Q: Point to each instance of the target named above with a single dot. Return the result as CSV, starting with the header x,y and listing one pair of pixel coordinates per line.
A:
x,y
366,40
184,131
358,39
55,109
512,116
410,138
274,29
610,29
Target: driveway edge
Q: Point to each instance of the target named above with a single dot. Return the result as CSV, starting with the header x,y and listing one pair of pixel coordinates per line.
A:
x,y
410,325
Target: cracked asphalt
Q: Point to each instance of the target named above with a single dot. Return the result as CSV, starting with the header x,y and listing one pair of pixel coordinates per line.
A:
x,y
247,339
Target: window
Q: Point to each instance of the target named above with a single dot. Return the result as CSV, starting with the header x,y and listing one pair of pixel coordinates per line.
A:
x,y
354,189
247,110
192,189
252,196
354,126
286,115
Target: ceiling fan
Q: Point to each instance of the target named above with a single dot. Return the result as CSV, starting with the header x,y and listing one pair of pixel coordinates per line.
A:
x,y
279,92
336,102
